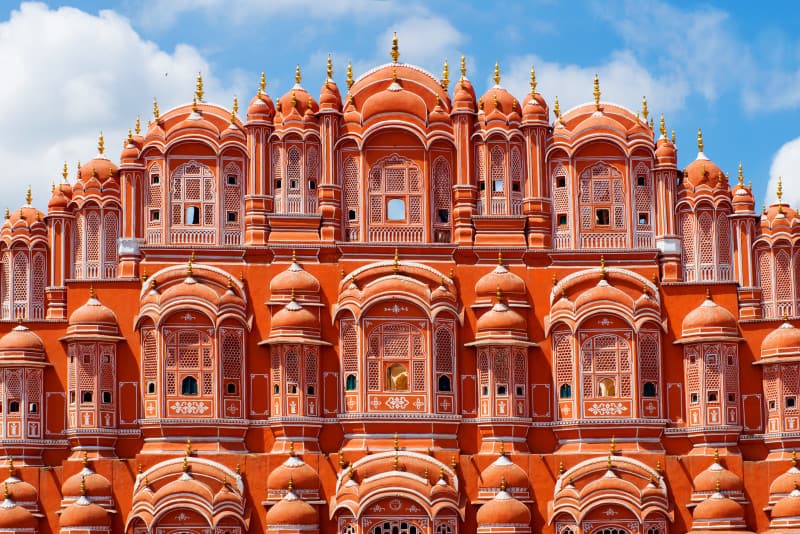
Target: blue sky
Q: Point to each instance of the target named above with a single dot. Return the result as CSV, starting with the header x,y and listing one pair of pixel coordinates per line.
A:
x,y
74,68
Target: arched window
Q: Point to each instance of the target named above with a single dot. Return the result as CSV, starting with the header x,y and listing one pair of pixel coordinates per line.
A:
x,y
350,383
189,386
606,388
397,378
565,391
442,199
649,389
193,205
395,196
395,527
607,366
444,383
351,193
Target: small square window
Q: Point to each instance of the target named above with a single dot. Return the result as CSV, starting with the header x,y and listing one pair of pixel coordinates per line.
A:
x,y
602,217
692,359
192,215
485,390
695,398
520,391
712,396
562,219
444,215
291,389
312,184
731,397
72,397
640,181
791,402
396,209
106,398
351,215
309,390
561,181
230,388
497,185
87,396
483,186
292,184
772,405
232,179
155,215
515,187
643,218
155,179
151,388
231,217
33,407
502,389
278,184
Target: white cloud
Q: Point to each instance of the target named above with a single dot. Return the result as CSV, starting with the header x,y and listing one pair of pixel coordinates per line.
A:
x,y
785,164
423,40
69,74
623,80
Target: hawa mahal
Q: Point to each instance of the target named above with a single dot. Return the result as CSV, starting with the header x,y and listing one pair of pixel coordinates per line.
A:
x,y
405,310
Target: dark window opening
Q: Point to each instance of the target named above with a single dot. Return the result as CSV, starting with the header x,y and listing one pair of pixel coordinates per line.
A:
x,y
33,407
502,390
497,185
731,397
515,187
87,396
444,215
350,383
155,179
155,215
483,185
72,397
291,389
231,216
276,389
230,387
189,386
292,184
485,390
562,219
310,390
772,405
561,181
444,383
231,179
565,391
151,387
640,180
791,402
13,406
520,391
643,218
312,184
712,396
106,397
695,398
351,215
278,184
602,217
649,389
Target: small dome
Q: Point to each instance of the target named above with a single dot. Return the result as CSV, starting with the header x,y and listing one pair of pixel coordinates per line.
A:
x,y
83,513
291,510
13,517
261,108
295,278
501,318
93,312
718,507
95,484
21,338
603,292
297,100
665,151
100,168
130,152
464,96
225,495
58,200
509,284
20,491
294,316
503,509
534,108
329,96
783,341
786,482
302,476
702,172
600,122
709,319
395,99
504,471
498,100
184,484
787,507
717,479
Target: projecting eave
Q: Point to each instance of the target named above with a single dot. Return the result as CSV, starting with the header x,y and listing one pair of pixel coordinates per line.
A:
x,y
501,341
293,340
708,339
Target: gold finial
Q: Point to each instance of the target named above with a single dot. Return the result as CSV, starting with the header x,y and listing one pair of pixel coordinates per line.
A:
x,y
85,458
555,280
185,464
11,466
330,67
155,109
717,486
396,267
198,88
395,53
603,267
395,461
596,92
262,84
29,196
499,257
445,75
229,284
189,272
396,442
130,137
294,256
662,127
496,76
673,138
699,140
8,213
65,172
494,100
291,449
658,467
609,465
780,189
294,100
708,293
716,456
290,487
453,461
91,296
645,112
153,284
533,81
561,468
52,186
613,448
794,458
463,67
499,295
83,485
188,447
341,461
349,75
298,77
557,110
503,483
138,127
292,296
652,124
101,144
740,175
236,104
239,470
502,449
194,104
5,491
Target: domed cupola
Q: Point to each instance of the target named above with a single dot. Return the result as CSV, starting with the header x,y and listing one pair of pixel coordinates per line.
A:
x,y
130,150
296,280
84,515
499,104
666,153
534,107
88,484
261,108
783,342
61,195
501,322
329,97
718,513
779,217
297,104
98,170
26,224
21,344
16,518
786,512
504,511
305,479
234,130
743,200
511,285
22,493
292,514
785,483
93,320
464,93
504,471
703,174
709,321
717,479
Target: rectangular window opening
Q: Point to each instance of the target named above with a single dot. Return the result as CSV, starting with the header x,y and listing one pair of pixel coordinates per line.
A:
x,y
602,217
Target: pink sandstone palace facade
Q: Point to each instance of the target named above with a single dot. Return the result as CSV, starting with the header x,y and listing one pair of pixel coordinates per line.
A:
x,y
410,309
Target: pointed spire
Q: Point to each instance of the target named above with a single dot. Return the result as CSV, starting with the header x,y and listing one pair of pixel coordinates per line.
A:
x,y
91,296
290,487
138,127
496,76
499,295
662,127
291,449
445,75
329,70
673,137
699,140
708,294
155,108
194,104
198,88
396,442
499,257
262,84
645,112
596,92
29,196
11,470
609,465
561,469
396,266
185,464
395,53
463,67
349,75
503,483
189,441
129,140
8,213
83,485
502,449
603,267
101,144
5,491
533,81
779,192
298,76
85,458
794,458
235,104
557,110
65,171
740,175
